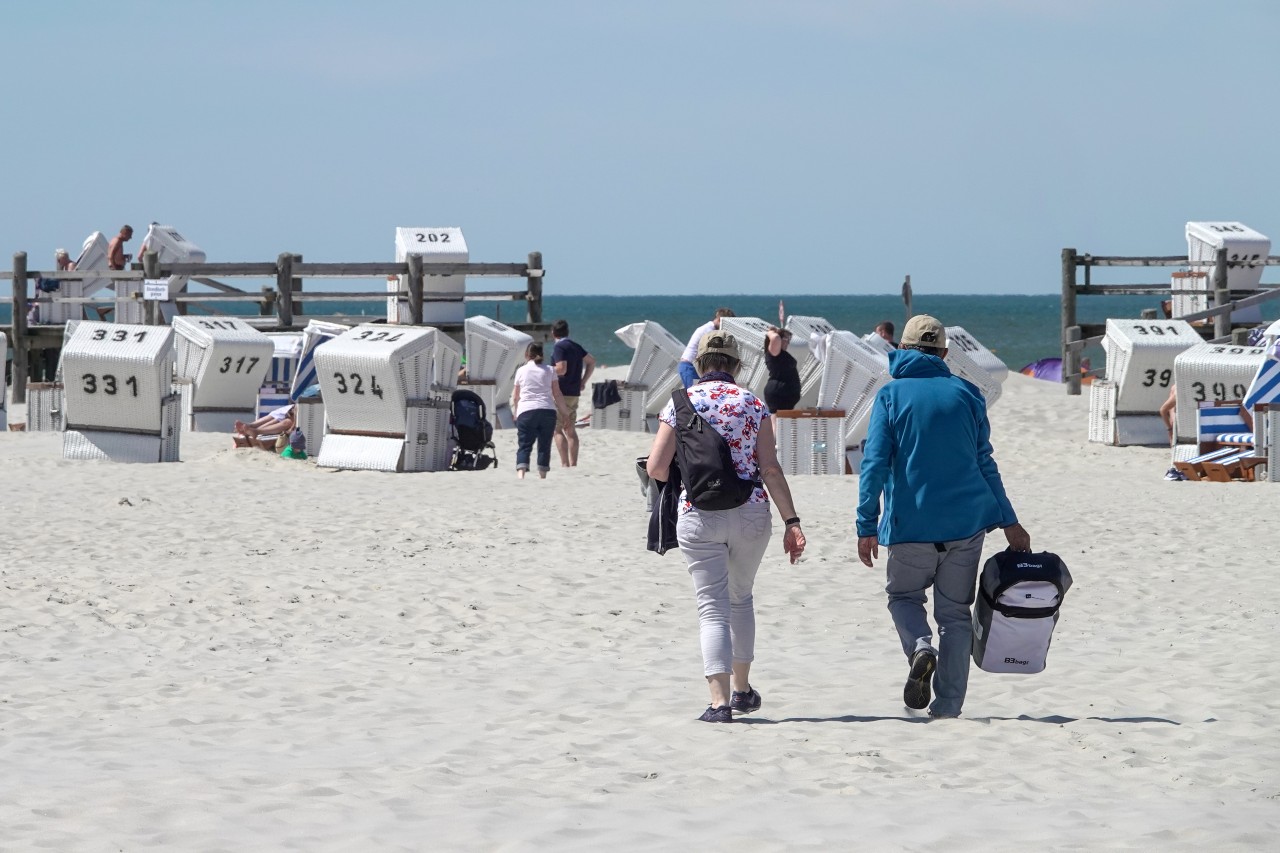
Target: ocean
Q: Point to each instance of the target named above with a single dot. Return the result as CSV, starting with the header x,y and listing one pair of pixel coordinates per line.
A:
x,y
1018,329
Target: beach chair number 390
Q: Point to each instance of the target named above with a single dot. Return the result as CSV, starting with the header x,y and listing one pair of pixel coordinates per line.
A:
x,y
356,385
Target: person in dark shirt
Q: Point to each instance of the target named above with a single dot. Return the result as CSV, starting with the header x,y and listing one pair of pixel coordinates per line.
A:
x,y
573,366
782,391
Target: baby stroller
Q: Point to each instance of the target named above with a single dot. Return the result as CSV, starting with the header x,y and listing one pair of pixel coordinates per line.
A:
x,y
472,433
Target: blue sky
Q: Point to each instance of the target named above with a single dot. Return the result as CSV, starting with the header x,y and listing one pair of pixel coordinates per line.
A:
x,y
649,147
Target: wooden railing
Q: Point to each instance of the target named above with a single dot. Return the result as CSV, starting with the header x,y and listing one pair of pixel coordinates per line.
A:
x,y
1076,336
284,301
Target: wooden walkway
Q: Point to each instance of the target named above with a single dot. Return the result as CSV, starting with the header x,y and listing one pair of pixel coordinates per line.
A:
x,y
280,308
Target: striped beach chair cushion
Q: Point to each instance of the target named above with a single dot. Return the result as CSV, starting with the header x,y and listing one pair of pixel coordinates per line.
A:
x,y
1218,421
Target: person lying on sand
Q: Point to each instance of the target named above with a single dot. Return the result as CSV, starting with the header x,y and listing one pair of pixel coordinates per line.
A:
x,y
274,423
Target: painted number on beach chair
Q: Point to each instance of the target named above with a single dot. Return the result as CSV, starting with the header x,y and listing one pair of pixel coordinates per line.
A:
x,y
1157,330
1164,377
110,385
967,344
356,385
1220,391
219,324
1221,350
239,364
379,336
118,336
431,237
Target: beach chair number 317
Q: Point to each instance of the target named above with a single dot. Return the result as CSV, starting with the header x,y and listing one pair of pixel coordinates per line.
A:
x,y
356,385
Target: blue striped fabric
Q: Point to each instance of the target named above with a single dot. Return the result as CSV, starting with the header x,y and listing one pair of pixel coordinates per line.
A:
x,y
306,375
1217,420
270,399
1265,387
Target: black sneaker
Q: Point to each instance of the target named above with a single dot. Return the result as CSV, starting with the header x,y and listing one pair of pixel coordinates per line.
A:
x,y
723,714
745,702
916,692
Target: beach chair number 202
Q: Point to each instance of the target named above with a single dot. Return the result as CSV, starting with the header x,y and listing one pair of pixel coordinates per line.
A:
x,y
356,385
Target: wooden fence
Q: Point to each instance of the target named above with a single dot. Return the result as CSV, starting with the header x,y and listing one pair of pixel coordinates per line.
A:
x,y
283,302
1075,336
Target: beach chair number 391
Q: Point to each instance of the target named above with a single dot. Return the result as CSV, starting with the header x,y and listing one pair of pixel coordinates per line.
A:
x,y
356,385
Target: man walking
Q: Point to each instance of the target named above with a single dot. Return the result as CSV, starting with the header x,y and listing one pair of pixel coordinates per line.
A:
x,y
573,366
116,257
929,451
689,372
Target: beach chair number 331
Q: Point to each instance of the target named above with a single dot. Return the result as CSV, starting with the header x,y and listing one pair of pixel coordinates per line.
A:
x,y
108,382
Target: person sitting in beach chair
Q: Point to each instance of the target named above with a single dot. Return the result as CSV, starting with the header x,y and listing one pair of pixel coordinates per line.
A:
x,y
266,430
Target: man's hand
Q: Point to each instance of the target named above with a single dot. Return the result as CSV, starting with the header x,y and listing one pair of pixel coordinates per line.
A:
x,y
868,549
1018,538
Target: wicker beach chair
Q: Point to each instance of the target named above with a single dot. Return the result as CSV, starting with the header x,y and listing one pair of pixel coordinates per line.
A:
x,y
387,391
654,369
1211,372
221,362
959,339
805,332
1124,409
118,397
435,245
494,352
750,332
171,248
851,375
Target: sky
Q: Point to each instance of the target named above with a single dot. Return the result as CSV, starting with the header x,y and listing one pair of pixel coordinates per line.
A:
x,y
717,147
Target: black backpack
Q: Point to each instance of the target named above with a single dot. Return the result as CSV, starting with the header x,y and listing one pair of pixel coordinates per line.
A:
x,y
472,432
706,461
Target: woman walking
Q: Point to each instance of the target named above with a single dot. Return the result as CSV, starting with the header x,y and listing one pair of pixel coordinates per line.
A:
x,y
782,391
723,548
536,401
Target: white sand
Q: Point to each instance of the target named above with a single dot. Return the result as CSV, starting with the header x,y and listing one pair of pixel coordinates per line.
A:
x,y
242,652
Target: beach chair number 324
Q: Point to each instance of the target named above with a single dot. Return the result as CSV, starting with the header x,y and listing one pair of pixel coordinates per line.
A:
x,y
356,385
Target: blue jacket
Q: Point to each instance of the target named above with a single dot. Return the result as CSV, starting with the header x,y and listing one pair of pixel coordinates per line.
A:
x,y
929,451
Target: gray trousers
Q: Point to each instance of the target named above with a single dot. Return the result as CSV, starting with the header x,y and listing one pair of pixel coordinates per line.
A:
x,y
723,549
912,568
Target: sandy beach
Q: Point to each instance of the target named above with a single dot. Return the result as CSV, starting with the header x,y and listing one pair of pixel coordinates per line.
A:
x,y
243,652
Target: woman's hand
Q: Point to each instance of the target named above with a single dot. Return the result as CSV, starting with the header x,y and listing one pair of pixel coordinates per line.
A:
x,y
793,542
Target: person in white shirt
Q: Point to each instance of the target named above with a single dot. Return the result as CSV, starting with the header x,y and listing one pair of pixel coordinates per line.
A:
x,y
537,402
688,370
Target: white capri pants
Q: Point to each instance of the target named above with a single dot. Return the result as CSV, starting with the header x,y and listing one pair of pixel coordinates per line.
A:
x,y
723,549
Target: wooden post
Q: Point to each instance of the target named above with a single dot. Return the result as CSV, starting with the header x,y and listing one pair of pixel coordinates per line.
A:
x,y
1240,337
1069,317
150,270
534,297
1148,314
266,306
21,346
299,307
906,298
1071,365
415,288
284,289
1221,295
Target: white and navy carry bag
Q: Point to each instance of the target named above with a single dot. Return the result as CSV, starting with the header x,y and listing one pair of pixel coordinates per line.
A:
x,y
1019,595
